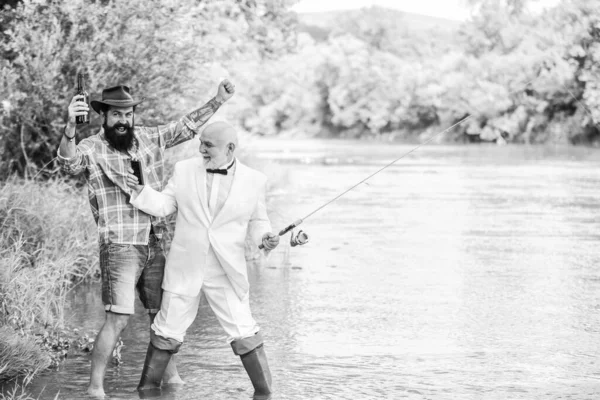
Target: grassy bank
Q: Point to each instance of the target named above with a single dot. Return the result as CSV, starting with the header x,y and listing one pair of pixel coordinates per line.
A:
x,y
47,243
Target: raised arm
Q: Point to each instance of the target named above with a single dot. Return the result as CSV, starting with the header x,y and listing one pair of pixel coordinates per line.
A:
x,y
187,127
72,159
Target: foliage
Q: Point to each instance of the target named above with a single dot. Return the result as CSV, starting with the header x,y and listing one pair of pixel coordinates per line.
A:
x,y
371,73
47,240
156,48
18,392
282,96
580,20
20,356
523,77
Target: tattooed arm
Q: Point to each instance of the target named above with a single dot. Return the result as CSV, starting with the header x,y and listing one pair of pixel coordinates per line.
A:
x,y
186,128
224,93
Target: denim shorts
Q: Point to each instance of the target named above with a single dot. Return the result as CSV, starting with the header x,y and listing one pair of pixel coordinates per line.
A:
x,y
127,267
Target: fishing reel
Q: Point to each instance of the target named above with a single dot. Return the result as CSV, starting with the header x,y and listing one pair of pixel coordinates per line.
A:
x,y
295,240
299,239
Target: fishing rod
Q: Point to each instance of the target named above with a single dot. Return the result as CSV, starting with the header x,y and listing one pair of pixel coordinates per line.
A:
x,y
302,238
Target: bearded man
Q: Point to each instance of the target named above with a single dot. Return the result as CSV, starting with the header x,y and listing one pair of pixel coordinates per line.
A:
x,y
131,254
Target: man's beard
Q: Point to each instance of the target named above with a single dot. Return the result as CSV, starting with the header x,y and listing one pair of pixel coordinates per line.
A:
x,y
121,142
212,163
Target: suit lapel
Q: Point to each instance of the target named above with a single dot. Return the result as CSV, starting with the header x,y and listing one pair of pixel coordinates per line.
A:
x,y
201,186
236,188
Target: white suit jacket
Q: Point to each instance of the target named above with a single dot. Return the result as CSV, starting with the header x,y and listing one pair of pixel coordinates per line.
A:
x,y
243,212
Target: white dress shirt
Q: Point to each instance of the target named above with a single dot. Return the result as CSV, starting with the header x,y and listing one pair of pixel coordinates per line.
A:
x,y
218,187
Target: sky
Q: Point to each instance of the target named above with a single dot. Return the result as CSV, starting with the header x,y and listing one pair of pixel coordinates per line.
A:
x,y
450,9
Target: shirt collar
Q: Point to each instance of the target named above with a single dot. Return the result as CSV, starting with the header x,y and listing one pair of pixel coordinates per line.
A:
x,y
227,165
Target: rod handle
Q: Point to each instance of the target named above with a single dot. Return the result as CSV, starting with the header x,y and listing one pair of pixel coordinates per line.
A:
x,y
284,230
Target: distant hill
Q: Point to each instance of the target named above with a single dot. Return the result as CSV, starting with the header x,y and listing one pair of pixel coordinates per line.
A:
x,y
320,25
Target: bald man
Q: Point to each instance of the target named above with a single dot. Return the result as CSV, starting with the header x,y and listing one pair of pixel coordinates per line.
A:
x,y
219,202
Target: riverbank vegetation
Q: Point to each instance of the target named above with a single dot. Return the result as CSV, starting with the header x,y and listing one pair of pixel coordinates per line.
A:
x,y
47,242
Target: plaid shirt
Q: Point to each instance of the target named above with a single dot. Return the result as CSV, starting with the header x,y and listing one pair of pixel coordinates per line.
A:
x,y
106,173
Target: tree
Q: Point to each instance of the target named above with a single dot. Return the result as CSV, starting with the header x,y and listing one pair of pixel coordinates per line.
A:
x,y
159,50
514,8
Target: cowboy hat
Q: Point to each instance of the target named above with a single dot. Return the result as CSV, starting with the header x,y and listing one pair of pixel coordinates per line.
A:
x,y
119,96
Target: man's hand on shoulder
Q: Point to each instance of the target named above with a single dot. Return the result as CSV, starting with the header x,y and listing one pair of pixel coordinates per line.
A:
x,y
225,91
270,241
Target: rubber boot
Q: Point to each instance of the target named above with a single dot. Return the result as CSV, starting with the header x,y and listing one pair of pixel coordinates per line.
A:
x,y
257,367
154,367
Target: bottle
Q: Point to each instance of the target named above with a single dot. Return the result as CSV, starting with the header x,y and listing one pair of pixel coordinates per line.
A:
x,y
82,119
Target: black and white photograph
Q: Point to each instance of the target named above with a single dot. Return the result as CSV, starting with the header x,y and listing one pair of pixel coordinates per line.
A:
x,y
299,199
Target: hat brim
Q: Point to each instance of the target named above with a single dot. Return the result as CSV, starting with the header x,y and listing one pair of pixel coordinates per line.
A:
x,y
96,104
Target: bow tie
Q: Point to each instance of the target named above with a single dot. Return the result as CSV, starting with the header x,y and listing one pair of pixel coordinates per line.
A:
x,y
222,171
216,171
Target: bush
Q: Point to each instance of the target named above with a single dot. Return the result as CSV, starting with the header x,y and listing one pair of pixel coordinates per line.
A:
x,y
155,48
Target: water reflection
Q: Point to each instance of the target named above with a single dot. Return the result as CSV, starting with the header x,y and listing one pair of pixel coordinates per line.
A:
x,y
461,272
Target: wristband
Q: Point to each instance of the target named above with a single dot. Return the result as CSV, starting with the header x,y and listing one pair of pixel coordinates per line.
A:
x,y
70,139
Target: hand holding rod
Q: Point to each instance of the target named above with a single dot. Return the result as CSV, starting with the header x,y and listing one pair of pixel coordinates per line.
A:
x,y
285,230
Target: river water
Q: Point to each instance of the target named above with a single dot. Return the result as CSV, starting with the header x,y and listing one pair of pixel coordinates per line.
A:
x,y
460,272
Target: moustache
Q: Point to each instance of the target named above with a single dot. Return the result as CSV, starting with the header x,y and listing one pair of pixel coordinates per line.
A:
x,y
121,125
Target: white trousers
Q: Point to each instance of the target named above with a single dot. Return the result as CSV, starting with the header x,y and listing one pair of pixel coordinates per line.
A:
x,y
177,312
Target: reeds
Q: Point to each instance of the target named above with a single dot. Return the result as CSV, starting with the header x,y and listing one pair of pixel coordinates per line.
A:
x,y
20,356
18,393
47,243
